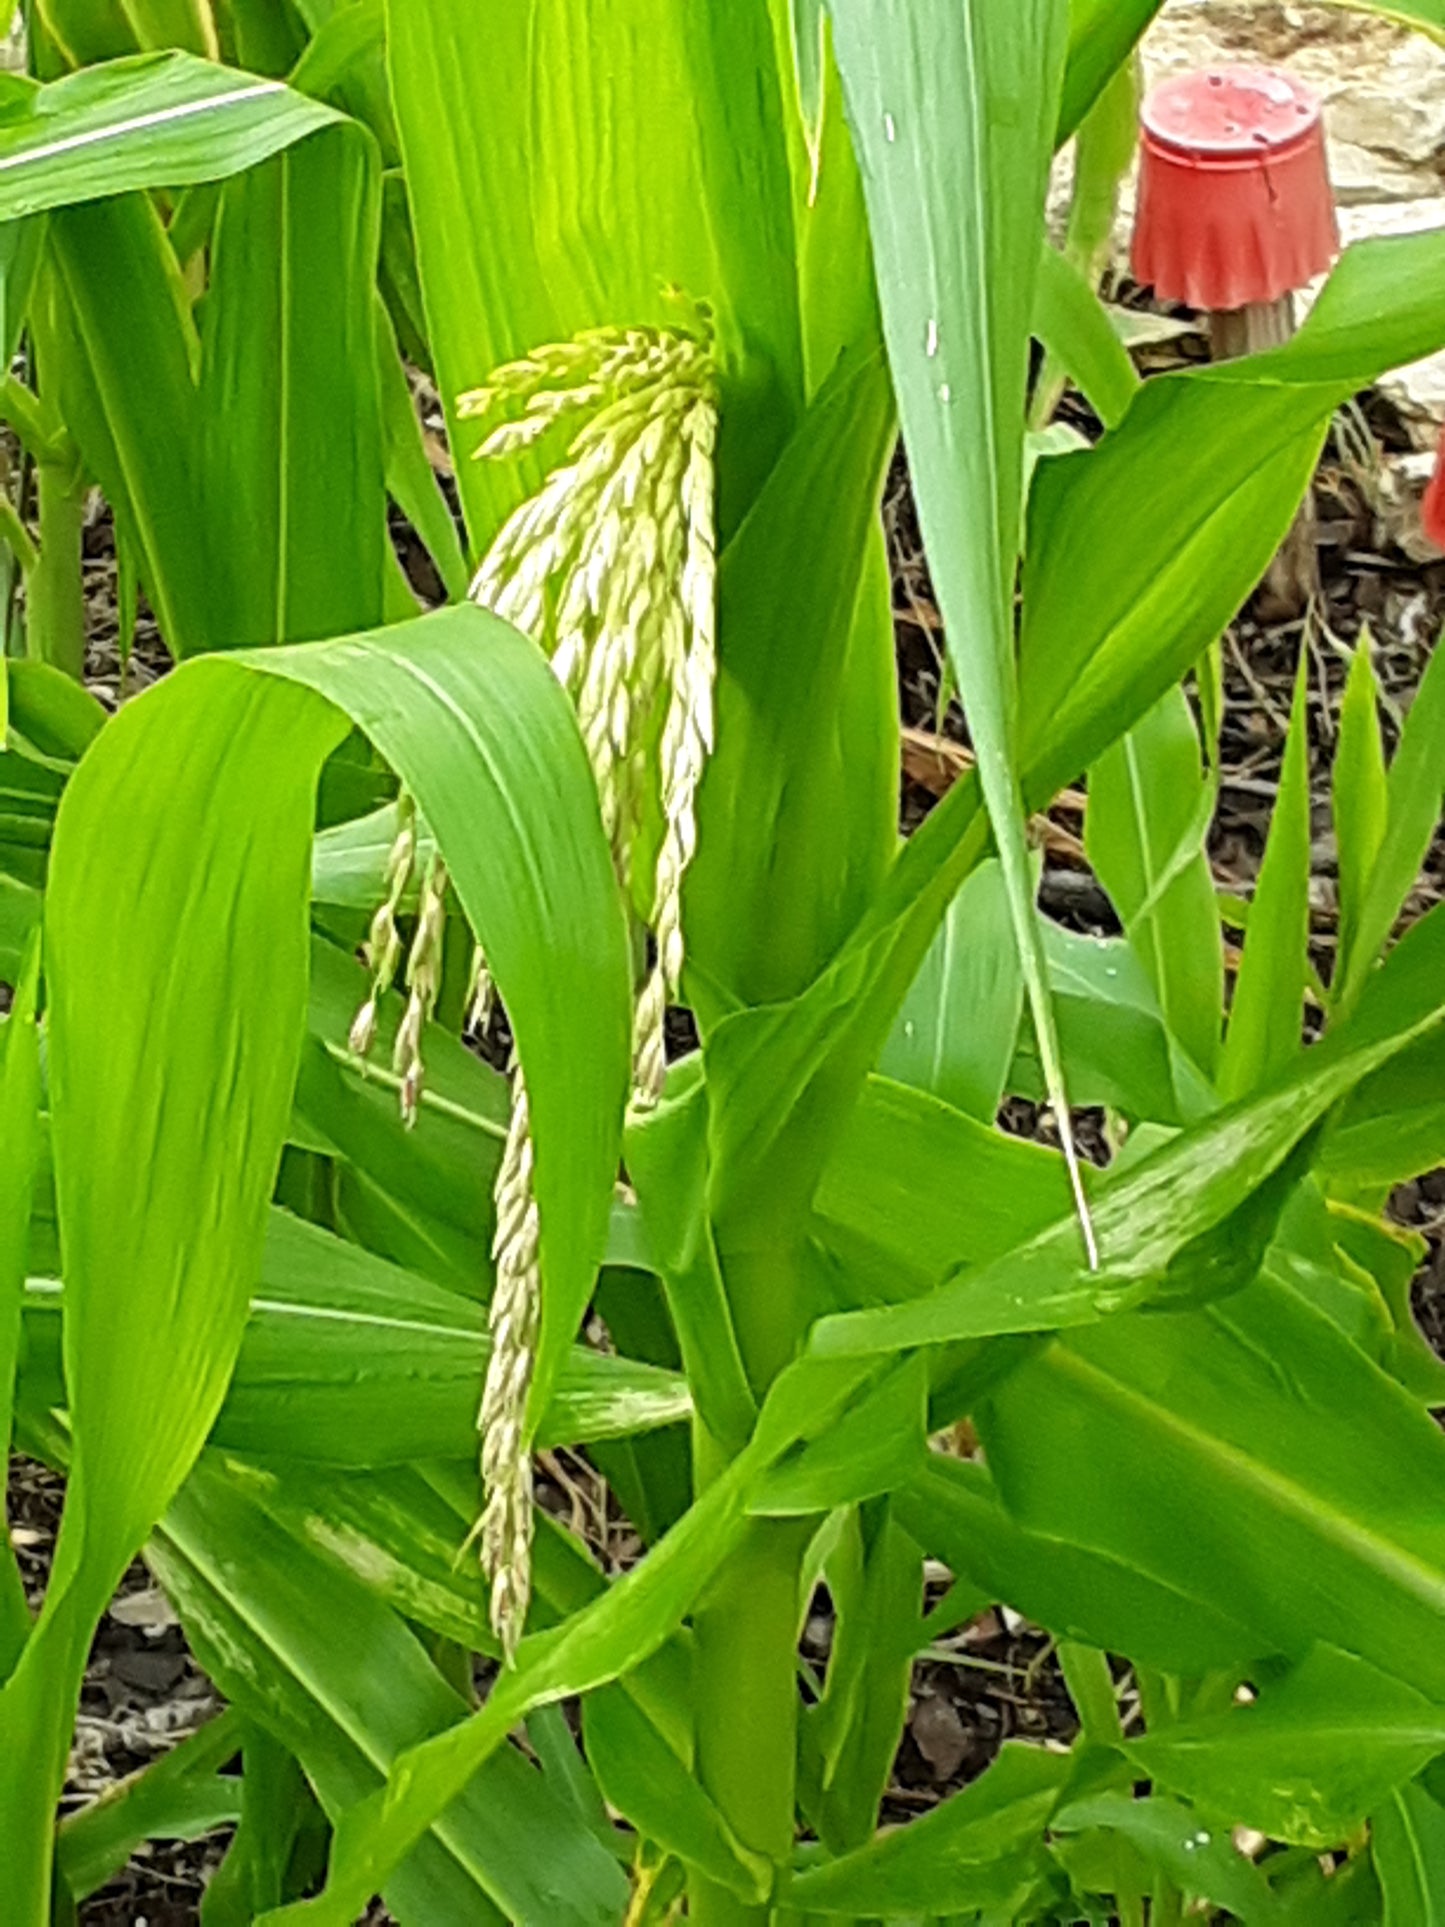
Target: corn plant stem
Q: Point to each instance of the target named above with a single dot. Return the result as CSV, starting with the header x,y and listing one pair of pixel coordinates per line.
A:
x,y
745,1702
745,1691
56,602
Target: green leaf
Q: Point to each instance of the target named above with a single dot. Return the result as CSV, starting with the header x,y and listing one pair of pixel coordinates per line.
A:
x,y
288,410
645,1780
797,809
1427,15
953,1509
973,1852
808,22
1173,1443
1116,1049
955,202
955,1033
20,1134
282,422
471,718
115,349
348,1361
914,1188
1413,792
1408,1847
1202,1863
276,1806
409,474
428,695
628,147
1361,798
1102,33
856,1727
1145,832
1072,324
1153,1221
1309,1758
1266,1015
873,1449
340,1680
1140,551
599,1644
667,1159
159,1288
179,1797
155,120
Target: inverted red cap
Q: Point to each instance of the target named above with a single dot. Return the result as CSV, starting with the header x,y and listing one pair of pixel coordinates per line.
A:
x,y
1432,506
1235,205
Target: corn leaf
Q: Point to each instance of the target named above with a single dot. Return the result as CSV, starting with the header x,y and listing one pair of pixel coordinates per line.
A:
x,y
1361,797
799,800
288,408
1309,1756
1148,819
1102,35
155,120
160,1289
953,1509
1070,321
303,1646
1301,1526
956,1030
629,146
1408,1845
1155,1220
349,1361
977,1851
1169,1837
1427,15
953,112
181,1796
606,1639
19,1131
1413,791
642,1777
1268,1008
1139,548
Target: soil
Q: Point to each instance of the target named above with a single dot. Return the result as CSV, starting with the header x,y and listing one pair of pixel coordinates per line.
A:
x,y
997,1677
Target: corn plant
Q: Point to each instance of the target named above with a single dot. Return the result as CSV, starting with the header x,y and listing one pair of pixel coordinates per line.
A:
x,y
273,1237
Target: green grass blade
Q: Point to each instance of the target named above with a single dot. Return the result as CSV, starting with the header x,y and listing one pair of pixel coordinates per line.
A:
x,y
953,110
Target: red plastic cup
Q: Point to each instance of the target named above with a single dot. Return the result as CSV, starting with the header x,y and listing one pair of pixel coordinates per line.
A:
x,y
1432,504
1235,205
